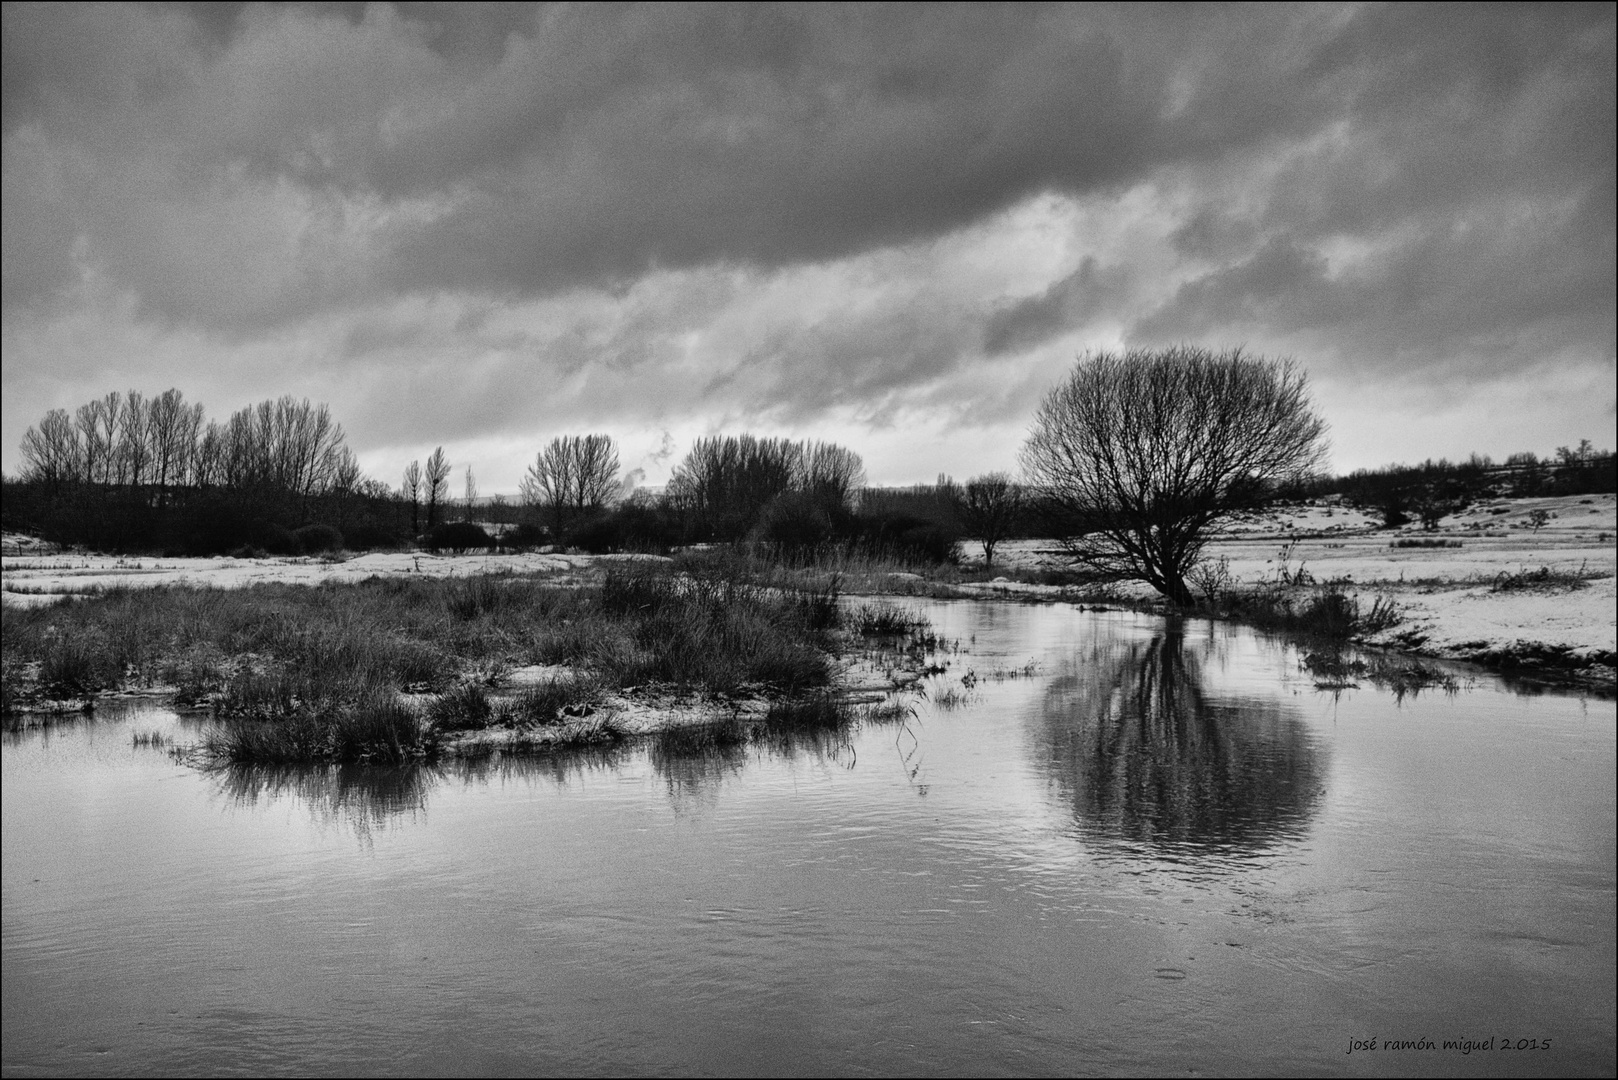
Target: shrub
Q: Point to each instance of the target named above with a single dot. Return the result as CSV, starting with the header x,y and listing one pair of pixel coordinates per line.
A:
x,y
524,536
279,540
907,539
598,535
368,537
314,539
458,537
796,521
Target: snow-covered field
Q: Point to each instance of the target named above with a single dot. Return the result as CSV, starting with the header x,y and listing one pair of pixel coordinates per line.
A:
x,y
30,575
1450,596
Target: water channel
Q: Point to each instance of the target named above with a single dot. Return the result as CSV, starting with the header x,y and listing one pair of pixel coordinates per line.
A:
x,y
1129,846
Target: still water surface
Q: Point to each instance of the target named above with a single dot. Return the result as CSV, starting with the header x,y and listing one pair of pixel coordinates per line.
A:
x,y
1131,847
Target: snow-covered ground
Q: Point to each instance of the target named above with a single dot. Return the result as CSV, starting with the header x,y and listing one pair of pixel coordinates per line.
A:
x,y
29,575
1449,595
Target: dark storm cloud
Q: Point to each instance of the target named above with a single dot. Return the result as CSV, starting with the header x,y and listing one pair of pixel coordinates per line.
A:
x,y
1075,300
616,203
593,143
1461,215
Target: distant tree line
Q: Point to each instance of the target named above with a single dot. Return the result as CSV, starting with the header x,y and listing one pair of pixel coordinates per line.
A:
x,y
129,473
1400,494
126,472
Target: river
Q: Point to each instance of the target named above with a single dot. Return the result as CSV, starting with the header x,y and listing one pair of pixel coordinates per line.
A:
x,y
1100,843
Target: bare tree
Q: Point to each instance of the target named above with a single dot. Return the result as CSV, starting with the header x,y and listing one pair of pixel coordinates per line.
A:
x,y
171,428
574,476
988,507
832,474
471,492
133,450
411,490
436,483
52,453
726,482
97,422
1149,450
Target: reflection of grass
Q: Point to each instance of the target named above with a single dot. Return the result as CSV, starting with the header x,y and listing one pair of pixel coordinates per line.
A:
x,y
816,712
953,697
1401,675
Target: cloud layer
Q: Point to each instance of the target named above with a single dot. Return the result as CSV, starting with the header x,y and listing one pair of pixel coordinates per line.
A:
x,y
477,226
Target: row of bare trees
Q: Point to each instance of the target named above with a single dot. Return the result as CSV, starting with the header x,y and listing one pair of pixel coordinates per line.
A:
x,y
726,482
430,486
128,440
128,472
574,477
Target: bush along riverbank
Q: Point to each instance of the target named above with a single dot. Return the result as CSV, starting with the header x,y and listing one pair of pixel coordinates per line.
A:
x,y
398,669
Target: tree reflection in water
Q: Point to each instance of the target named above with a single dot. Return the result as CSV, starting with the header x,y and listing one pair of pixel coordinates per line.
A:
x,y
1148,757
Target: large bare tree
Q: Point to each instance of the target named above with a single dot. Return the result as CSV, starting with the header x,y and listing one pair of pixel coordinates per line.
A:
x,y
1145,451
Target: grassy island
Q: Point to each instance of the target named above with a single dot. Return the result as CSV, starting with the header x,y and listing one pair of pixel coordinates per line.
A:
x,y
393,669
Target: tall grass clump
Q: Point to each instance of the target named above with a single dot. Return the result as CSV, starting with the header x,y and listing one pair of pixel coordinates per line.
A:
x,y
1323,612
76,666
545,703
713,631
883,620
371,726
465,708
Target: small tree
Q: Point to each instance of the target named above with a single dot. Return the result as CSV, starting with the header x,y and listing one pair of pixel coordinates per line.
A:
x,y
988,507
471,492
436,481
1150,450
1436,502
411,491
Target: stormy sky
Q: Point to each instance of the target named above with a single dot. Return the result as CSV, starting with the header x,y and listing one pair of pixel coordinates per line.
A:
x,y
484,225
